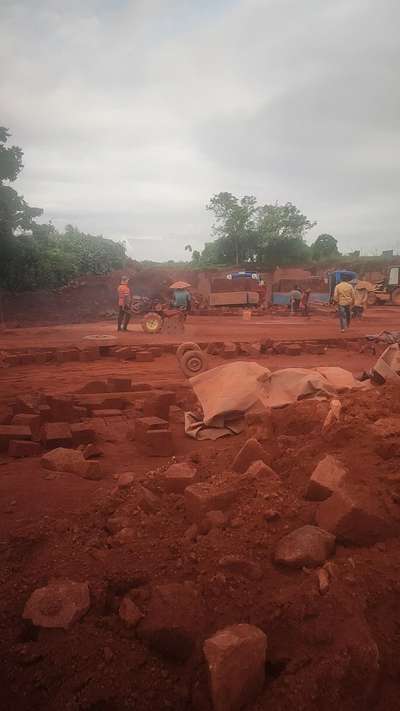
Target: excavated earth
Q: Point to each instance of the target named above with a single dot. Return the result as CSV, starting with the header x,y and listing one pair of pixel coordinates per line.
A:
x,y
332,647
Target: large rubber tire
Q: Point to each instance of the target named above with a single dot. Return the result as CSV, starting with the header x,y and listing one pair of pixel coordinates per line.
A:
x,y
152,322
185,347
193,363
372,298
396,297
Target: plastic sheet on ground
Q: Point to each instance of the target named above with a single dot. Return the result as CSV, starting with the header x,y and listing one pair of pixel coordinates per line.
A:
x,y
228,391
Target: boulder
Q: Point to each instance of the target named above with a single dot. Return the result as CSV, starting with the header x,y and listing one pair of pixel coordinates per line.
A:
x,y
175,620
58,605
326,478
236,658
252,451
356,516
308,546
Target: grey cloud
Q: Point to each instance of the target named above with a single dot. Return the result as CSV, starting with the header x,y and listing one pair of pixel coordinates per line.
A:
x,y
131,114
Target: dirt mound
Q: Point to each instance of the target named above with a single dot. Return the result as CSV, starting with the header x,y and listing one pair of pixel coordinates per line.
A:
x,y
330,630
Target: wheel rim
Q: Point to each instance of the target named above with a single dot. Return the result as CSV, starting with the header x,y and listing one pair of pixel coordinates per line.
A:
x,y
152,324
194,364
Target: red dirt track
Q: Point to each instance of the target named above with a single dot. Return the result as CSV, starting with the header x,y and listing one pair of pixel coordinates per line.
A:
x,y
339,650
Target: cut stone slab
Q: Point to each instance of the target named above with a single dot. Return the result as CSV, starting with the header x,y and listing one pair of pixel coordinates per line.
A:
x,y
20,448
179,476
203,497
82,434
71,461
175,620
129,612
326,478
57,434
355,516
10,432
143,424
58,605
252,451
236,658
308,547
32,421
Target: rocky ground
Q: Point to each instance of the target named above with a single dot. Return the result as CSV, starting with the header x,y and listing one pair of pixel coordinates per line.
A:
x,y
262,569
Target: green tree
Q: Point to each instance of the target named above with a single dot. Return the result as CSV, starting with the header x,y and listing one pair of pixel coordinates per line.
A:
x,y
234,225
36,256
270,234
324,247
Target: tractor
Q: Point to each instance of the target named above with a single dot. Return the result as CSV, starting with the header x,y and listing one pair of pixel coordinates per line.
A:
x,y
386,291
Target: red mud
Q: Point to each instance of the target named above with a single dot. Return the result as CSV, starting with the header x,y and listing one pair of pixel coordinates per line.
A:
x,y
326,652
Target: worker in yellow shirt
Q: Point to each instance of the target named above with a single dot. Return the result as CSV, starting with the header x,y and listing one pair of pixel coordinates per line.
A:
x,y
124,303
344,297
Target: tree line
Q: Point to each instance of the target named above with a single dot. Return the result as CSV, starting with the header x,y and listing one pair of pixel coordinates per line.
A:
x,y
34,255
270,234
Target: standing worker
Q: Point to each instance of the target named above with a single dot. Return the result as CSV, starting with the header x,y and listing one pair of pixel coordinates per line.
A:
x,y
124,304
305,301
344,297
295,299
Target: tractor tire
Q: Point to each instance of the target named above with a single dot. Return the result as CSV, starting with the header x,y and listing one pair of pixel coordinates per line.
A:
x,y
372,298
396,297
185,347
152,322
193,362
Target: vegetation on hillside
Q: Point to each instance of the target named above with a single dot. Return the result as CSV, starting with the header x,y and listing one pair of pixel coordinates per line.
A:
x,y
36,256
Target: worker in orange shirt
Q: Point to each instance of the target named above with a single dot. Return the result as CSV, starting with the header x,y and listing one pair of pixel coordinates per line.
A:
x,y
124,304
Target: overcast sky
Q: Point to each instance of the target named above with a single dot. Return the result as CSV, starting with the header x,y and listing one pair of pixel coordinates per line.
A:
x,y
132,113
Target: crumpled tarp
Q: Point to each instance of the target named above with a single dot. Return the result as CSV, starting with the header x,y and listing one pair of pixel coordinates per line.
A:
x,y
388,364
228,391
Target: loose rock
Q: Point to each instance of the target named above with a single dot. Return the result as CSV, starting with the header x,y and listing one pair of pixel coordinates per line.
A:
x,y
236,659
252,451
308,546
175,619
129,612
326,478
58,605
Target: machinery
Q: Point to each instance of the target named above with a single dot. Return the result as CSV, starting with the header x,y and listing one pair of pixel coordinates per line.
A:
x,y
387,290
164,319
236,289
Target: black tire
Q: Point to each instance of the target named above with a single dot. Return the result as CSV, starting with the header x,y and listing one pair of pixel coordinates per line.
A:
x,y
193,362
185,347
152,322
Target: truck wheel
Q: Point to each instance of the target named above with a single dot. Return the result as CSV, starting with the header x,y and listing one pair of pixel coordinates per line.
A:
x,y
372,298
152,322
396,297
193,362
185,347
